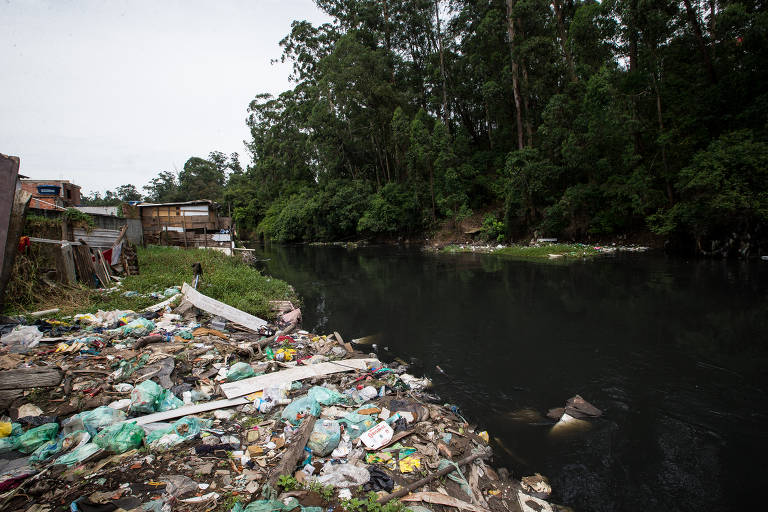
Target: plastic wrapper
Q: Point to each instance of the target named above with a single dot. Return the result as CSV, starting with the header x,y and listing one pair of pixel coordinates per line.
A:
x,y
277,392
325,437
31,440
325,396
54,447
98,418
240,371
178,485
6,427
343,475
78,455
120,438
299,408
170,292
22,338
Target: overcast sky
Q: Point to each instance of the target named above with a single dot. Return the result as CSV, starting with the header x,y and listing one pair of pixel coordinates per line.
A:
x,y
104,93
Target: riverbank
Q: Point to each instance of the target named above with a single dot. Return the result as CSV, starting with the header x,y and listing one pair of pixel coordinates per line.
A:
x,y
122,389
225,278
542,251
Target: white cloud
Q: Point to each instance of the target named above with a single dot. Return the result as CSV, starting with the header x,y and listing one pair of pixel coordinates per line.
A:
x,y
107,93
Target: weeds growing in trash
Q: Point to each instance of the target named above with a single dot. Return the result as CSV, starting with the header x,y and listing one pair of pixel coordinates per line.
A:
x,y
287,482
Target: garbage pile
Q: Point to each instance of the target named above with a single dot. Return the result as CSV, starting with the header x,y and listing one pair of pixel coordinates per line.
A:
x,y
186,409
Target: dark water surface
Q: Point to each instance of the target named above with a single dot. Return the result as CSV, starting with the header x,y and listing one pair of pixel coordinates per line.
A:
x,y
674,352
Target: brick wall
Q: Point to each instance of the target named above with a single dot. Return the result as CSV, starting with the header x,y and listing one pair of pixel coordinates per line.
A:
x,y
69,195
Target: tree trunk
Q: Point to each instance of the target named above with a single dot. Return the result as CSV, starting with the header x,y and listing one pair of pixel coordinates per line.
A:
x,y
660,120
442,65
432,191
526,94
564,40
515,74
703,51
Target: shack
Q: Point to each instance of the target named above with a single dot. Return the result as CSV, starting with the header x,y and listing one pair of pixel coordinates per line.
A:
x,y
51,194
185,224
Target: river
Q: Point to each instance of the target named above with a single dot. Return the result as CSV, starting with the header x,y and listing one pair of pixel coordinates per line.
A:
x,y
673,351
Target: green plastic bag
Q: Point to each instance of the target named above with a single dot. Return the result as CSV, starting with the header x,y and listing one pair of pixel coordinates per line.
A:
x,y
324,438
120,438
301,406
31,440
51,448
145,396
240,371
325,396
168,401
78,455
272,505
357,424
101,417
138,328
8,444
186,428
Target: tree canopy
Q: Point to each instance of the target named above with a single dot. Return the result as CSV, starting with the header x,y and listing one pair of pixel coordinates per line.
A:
x,y
573,118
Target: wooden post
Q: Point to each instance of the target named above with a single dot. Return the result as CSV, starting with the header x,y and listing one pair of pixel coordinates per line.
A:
x,y
16,218
184,228
205,236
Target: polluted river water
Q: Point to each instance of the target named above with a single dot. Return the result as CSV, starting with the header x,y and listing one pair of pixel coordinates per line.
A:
x,y
672,351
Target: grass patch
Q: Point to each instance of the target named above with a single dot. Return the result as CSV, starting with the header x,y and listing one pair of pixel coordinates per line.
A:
x,y
225,278
539,252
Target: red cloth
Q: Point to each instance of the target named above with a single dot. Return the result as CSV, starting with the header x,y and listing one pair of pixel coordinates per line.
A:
x,y
24,242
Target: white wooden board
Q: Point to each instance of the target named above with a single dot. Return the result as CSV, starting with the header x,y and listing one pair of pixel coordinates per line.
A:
x,y
187,410
215,307
253,384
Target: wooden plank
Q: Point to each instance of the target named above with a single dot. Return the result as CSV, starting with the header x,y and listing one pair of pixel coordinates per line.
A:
x,y
295,452
9,178
96,265
83,265
65,264
187,410
24,378
15,226
253,384
215,307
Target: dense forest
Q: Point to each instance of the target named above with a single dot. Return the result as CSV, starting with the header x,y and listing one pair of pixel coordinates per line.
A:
x,y
569,118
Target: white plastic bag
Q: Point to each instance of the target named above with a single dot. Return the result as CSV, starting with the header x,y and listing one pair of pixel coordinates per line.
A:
x,y
22,338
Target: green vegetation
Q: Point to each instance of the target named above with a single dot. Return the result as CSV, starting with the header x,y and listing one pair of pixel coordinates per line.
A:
x,y
574,119
287,482
535,252
80,219
371,505
225,278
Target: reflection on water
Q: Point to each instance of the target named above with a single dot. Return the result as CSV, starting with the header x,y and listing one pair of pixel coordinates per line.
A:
x,y
674,353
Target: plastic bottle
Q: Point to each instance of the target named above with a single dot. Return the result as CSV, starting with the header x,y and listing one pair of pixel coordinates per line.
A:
x,y
263,405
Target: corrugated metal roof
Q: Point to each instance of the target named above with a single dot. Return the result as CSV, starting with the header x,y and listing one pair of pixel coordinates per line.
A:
x,y
99,210
198,201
